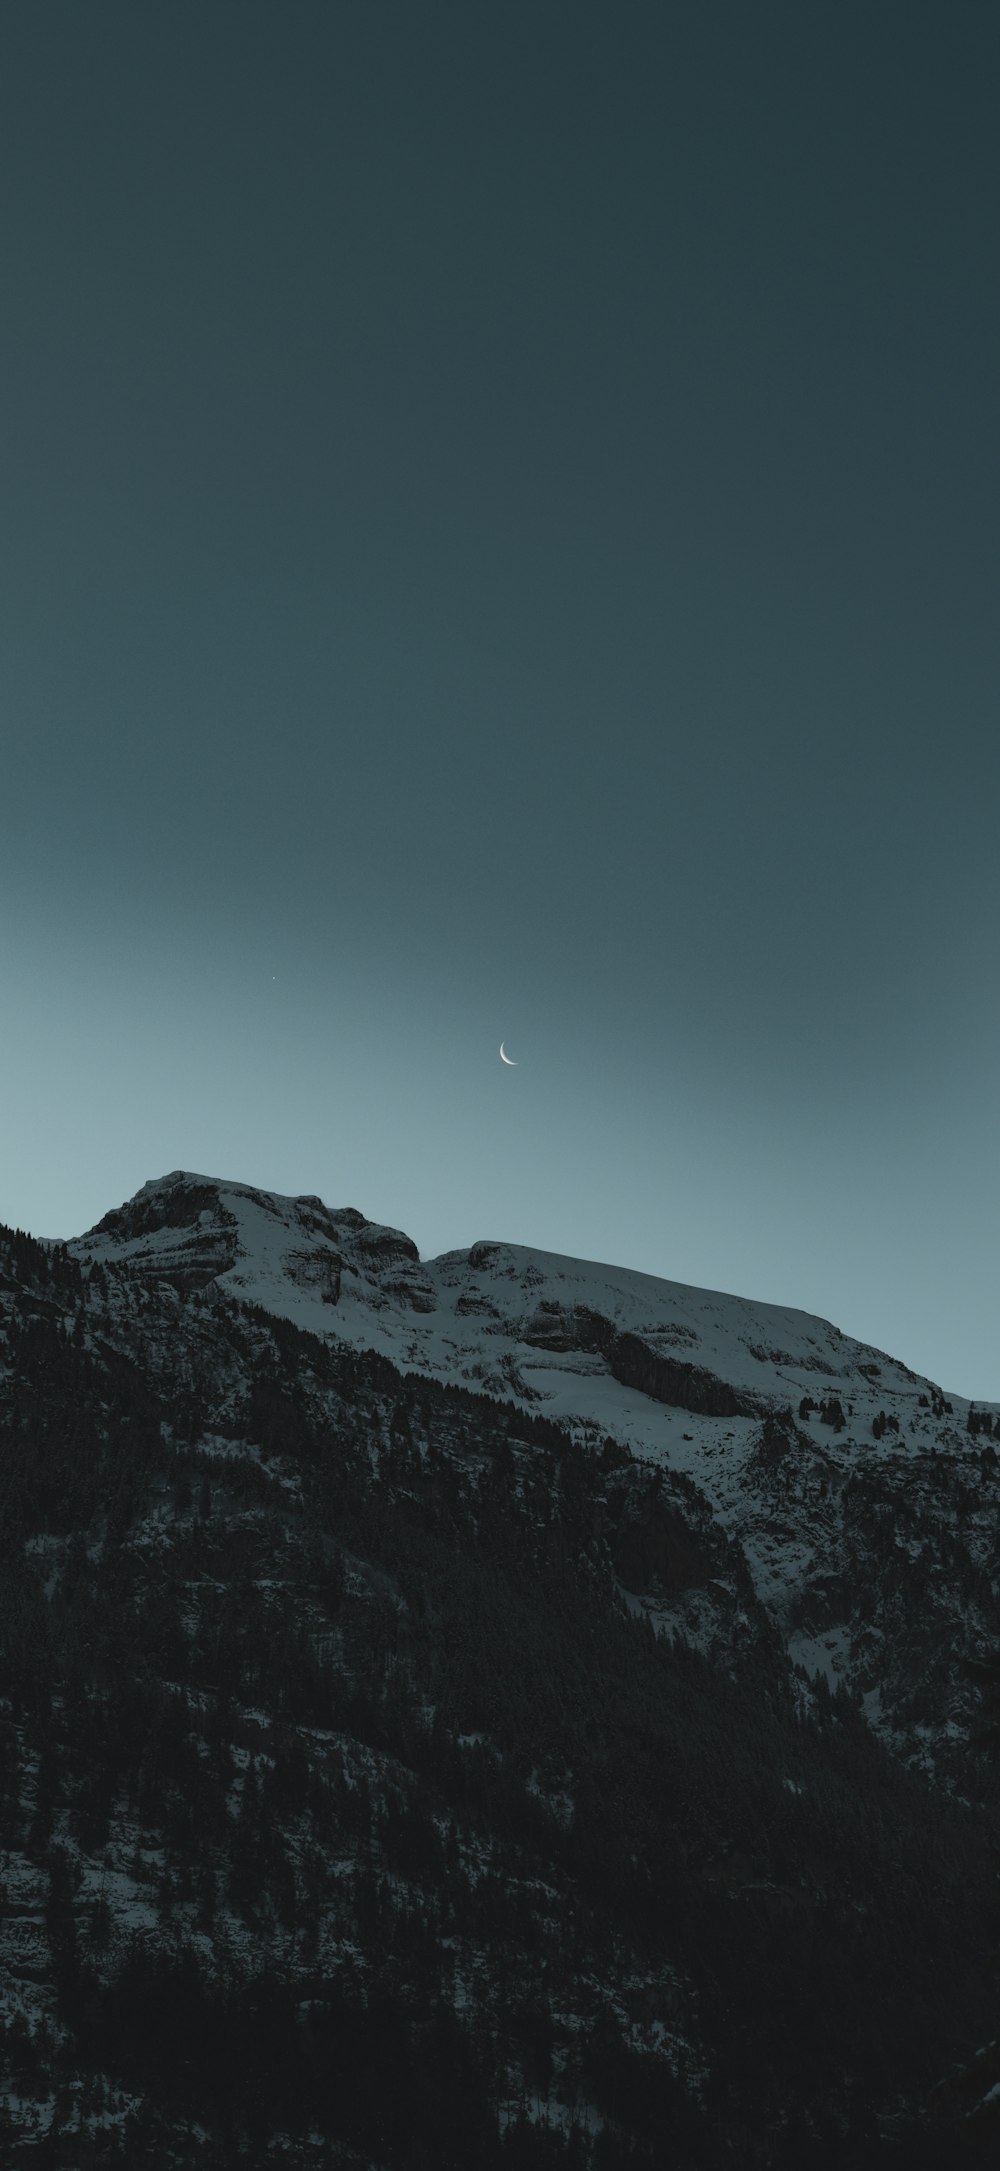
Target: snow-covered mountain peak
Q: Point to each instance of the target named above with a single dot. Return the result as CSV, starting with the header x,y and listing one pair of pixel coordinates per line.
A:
x,y
192,1230
589,1342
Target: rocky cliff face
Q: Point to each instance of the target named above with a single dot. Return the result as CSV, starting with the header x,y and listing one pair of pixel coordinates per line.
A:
x,y
190,1231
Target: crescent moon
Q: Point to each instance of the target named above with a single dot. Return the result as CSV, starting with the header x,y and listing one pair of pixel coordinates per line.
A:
x,y
511,1059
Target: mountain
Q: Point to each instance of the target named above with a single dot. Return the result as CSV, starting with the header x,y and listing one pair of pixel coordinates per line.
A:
x,y
858,1499
496,1710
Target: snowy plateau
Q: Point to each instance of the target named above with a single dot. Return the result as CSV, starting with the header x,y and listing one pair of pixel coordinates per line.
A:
x,y
498,1710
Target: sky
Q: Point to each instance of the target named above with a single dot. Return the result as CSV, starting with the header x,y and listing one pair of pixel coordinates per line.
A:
x,y
499,539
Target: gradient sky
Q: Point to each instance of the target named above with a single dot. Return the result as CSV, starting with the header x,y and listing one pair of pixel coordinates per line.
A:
x,y
499,528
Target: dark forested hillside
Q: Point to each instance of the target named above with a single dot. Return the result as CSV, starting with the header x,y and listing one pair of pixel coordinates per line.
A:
x,y
349,1817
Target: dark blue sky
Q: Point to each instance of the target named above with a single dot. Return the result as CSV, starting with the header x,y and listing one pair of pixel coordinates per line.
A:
x,y
499,536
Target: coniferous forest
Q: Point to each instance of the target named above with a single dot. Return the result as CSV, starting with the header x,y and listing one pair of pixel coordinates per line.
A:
x,y
348,1816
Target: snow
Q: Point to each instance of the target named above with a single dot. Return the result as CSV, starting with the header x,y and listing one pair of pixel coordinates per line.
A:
x,y
500,1294
825,1654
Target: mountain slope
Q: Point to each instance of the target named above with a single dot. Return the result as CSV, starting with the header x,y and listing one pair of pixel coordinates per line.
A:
x,y
351,1811
856,1497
